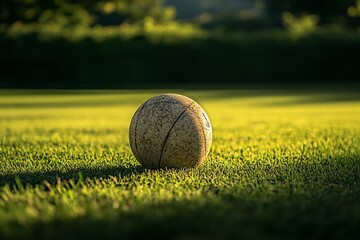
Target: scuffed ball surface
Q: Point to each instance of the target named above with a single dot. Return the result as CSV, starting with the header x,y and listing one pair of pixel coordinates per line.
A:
x,y
170,131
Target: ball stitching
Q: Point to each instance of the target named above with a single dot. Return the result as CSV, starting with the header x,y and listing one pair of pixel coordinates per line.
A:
x,y
168,133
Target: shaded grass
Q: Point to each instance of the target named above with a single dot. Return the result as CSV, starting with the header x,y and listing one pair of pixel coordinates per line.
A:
x,y
282,165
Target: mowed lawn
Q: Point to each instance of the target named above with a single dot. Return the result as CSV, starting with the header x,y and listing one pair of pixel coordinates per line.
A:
x,y
283,164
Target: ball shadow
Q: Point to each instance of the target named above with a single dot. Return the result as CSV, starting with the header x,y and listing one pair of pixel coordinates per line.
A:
x,y
52,177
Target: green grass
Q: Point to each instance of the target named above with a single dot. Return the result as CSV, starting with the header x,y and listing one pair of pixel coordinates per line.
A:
x,y
282,165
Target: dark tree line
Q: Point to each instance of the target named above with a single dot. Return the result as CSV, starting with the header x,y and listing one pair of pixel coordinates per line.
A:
x,y
88,12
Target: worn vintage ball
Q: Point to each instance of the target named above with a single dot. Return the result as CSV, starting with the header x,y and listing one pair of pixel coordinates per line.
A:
x,y
170,131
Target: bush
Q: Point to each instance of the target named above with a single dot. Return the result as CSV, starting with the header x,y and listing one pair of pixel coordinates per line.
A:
x,y
145,58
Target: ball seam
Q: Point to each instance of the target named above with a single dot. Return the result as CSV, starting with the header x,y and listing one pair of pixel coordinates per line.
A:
x,y
168,134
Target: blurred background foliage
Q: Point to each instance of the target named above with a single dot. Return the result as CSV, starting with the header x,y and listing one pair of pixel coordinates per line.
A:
x,y
137,43
85,13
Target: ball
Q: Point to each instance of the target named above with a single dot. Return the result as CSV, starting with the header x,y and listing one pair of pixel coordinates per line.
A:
x,y
170,131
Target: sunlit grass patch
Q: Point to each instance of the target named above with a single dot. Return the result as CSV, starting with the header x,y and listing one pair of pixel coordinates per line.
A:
x,y
282,165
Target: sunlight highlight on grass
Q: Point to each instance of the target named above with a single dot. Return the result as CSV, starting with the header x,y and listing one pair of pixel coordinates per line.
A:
x,y
65,163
